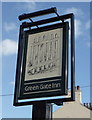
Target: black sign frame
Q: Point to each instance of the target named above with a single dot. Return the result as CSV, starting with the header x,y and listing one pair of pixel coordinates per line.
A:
x,y
51,80
19,59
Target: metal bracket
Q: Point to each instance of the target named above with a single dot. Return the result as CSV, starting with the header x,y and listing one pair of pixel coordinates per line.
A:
x,y
58,103
58,16
33,21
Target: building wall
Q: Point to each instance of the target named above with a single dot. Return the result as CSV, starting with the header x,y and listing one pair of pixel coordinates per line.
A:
x,y
73,109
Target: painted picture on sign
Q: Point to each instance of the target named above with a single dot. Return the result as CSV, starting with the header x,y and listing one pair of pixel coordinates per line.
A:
x,y
44,54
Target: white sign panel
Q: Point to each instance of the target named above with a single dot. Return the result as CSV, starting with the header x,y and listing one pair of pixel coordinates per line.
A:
x,y
44,53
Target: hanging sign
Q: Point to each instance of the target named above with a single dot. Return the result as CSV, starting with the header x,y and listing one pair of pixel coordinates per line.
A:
x,y
44,62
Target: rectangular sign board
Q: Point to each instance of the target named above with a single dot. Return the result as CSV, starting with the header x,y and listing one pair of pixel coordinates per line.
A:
x,y
44,65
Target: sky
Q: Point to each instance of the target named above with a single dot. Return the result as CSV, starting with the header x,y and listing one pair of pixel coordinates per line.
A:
x,y
9,45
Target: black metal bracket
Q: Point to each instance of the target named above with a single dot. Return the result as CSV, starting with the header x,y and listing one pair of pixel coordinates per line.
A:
x,y
58,15
38,13
57,101
33,21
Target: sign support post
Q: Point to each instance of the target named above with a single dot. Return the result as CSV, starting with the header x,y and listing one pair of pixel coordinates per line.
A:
x,y
42,111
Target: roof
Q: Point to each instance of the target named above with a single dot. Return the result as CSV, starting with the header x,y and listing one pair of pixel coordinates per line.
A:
x,y
72,110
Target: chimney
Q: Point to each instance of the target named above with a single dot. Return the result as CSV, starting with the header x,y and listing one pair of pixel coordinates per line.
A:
x,y
78,87
78,95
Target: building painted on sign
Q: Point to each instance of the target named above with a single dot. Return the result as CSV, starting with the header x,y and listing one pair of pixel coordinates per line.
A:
x,y
73,109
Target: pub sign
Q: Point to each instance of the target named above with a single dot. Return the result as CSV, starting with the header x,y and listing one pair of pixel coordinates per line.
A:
x,y
44,62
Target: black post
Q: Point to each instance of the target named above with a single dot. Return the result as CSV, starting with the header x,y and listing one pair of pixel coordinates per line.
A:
x,y
42,111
